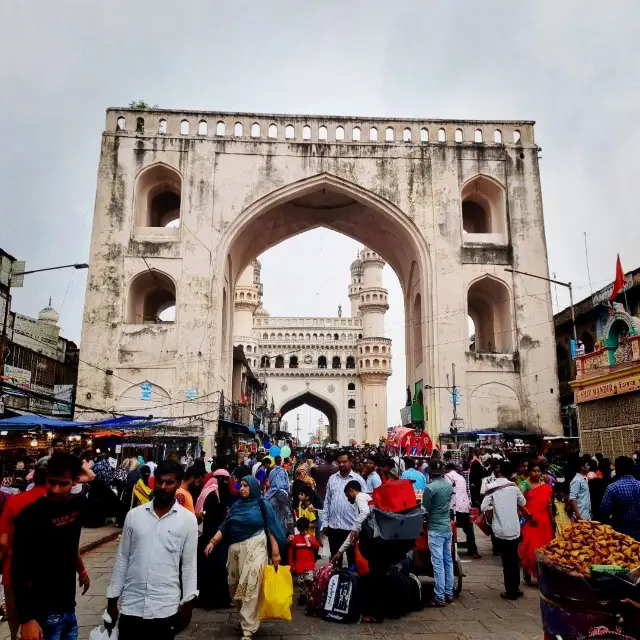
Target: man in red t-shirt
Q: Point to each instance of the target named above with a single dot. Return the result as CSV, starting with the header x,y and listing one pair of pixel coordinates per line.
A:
x,y
13,506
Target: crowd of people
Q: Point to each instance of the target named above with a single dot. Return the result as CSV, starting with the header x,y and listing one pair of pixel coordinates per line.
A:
x,y
199,532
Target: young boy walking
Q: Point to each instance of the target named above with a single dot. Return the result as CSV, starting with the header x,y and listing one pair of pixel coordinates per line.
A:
x,y
302,557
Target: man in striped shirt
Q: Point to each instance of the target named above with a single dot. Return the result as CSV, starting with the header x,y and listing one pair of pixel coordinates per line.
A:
x,y
339,513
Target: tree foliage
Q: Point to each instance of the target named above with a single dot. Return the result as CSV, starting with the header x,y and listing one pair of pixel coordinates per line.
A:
x,y
141,104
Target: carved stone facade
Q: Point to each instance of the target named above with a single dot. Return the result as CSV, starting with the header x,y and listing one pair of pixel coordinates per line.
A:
x,y
338,365
186,200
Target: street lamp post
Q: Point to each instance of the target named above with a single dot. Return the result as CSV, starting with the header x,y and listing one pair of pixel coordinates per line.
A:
x,y
562,284
3,339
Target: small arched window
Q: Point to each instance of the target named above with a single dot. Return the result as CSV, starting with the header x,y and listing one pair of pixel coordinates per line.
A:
x,y
351,404
376,362
184,128
457,136
373,134
289,132
202,128
322,362
265,336
355,134
306,132
255,130
139,125
336,363
293,362
264,362
340,133
497,136
238,130
442,135
121,123
322,133
406,135
367,363
390,134
336,336
273,131
279,362
424,135
367,349
220,128
162,127
478,136
351,363
351,386
517,138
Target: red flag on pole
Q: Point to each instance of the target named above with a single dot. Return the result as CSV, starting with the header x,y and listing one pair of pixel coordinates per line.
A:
x,y
619,282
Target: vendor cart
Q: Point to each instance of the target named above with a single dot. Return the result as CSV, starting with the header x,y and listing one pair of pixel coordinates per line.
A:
x,y
421,561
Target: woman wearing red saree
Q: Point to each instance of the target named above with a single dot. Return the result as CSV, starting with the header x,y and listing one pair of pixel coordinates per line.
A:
x,y
539,531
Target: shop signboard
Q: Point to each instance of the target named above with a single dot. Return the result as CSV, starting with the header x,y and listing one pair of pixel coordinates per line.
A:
x,y
62,405
38,404
608,389
18,377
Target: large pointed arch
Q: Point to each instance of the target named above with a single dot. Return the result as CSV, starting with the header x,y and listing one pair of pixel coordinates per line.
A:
x,y
328,200
318,402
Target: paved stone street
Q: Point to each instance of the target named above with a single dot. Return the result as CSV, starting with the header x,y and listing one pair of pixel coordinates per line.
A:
x,y
478,614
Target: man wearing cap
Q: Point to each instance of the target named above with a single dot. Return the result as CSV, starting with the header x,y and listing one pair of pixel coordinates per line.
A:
x,y
437,502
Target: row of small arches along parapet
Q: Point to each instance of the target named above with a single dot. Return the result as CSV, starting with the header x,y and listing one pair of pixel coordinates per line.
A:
x,y
323,132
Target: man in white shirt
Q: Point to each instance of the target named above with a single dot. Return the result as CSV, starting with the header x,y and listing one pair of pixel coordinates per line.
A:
x,y
155,573
461,507
361,500
502,504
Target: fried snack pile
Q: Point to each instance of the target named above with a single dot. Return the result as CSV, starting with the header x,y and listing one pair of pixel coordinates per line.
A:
x,y
589,543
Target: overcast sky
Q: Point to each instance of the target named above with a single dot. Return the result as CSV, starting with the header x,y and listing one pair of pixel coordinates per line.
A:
x,y
571,66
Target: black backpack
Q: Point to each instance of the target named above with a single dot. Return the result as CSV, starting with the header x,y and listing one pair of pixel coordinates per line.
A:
x,y
343,599
403,593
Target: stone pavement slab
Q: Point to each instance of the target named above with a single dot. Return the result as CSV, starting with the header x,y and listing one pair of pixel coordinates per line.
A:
x,y
478,614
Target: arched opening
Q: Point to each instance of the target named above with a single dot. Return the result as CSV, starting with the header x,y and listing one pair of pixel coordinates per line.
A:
x,y
220,128
121,124
517,138
477,138
151,299
483,206
336,363
184,128
457,136
340,133
306,132
158,196
255,130
471,333
424,135
264,362
336,336
351,403
293,362
322,133
442,135
305,411
162,127
497,136
273,131
355,134
289,132
564,364
202,128
139,125
351,386
390,134
238,130
351,362
406,135
489,306
332,203
373,134
279,362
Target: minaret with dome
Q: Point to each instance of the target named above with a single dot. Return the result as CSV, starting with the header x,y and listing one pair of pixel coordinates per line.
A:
x,y
338,365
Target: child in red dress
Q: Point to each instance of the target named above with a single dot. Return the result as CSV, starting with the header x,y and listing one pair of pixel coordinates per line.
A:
x,y
302,557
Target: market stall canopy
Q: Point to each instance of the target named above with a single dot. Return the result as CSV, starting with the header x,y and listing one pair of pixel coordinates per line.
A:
x,y
406,441
35,420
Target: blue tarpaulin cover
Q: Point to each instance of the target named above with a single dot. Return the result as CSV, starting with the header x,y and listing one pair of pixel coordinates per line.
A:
x,y
32,420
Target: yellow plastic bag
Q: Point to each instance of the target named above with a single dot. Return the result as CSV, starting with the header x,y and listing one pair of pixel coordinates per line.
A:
x,y
277,593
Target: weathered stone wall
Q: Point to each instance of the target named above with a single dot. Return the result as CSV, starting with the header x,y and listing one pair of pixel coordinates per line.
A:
x,y
407,207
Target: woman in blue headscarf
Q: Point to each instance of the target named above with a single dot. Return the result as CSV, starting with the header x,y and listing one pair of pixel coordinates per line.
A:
x,y
250,525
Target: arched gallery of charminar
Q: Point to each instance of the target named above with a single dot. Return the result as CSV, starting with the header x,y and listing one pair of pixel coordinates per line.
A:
x,y
187,201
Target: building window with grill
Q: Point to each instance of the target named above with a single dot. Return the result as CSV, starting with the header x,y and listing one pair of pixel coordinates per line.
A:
x,y
351,404
351,362
322,362
335,363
